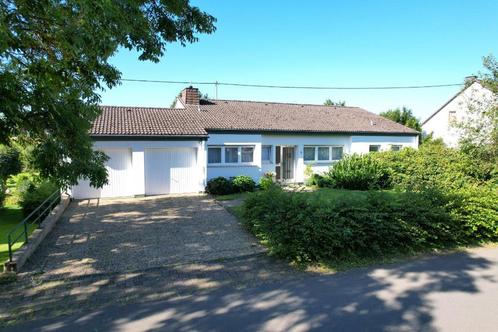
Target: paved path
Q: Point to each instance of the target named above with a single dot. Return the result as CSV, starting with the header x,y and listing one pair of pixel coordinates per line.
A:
x,y
458,292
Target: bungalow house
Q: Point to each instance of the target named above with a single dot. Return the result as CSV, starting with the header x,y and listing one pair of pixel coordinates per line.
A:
x,y
176,150
442,123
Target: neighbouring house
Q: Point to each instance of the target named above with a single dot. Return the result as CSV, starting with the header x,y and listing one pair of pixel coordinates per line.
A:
x,y
176,150
442,123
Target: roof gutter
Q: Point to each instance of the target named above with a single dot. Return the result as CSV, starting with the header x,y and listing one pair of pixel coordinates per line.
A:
x,y
149,137
308,132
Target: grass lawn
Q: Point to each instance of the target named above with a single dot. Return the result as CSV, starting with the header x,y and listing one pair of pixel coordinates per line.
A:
x,y
10,215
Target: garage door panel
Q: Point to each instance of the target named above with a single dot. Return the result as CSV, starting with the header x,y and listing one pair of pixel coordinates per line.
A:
x,y
119,170
170,170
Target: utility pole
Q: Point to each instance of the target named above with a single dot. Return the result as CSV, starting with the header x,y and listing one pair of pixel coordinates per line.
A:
x,y
216,85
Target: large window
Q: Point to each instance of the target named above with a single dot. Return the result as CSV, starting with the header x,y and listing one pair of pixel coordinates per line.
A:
x,y
309,153
373,148
230,154
324,153
214,155
247,154
266,154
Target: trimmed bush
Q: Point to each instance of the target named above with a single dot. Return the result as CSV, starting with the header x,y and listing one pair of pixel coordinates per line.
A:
x,y
219,186
35,195
243,183
358,172
304,227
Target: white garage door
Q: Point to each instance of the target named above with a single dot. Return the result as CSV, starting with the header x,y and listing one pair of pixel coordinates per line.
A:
x,y
171,170
120,177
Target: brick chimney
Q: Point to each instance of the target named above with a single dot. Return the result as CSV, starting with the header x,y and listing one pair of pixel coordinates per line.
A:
x,y
470,79
190,96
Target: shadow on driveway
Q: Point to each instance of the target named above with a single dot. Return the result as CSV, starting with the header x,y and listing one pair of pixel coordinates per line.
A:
x,y
454,292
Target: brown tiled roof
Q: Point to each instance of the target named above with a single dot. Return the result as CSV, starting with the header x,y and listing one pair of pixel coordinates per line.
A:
x,y
269,116
233,115
147,121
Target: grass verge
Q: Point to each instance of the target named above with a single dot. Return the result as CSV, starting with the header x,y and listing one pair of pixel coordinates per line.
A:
x,y
10,216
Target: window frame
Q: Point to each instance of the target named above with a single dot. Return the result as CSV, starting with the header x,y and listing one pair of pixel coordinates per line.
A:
x,y
239,147
399,146
318,161
269,161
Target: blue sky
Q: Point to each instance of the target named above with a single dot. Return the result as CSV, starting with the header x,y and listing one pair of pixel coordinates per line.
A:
x,y
324,43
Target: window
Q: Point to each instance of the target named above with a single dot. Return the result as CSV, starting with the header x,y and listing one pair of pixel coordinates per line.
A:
x,y
395,147
451,116
231,155
214,155
247,154
323,153
309,153
337,152
374,148
266,153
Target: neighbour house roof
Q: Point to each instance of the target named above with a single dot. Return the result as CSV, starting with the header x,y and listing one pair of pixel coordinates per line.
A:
x,y
470,82
235,115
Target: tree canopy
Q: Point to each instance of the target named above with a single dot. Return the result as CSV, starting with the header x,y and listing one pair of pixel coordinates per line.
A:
x,y
479,129
404,116
54,62
330,102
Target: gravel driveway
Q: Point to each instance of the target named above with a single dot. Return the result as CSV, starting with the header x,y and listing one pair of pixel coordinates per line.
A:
x,y
124,251
116,235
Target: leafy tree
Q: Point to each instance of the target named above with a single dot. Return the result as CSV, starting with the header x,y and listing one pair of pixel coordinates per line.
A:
x,y
330,102
403,116
10,164
479,128
54,62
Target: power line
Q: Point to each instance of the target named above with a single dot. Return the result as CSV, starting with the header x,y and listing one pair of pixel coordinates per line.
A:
x,y
304,87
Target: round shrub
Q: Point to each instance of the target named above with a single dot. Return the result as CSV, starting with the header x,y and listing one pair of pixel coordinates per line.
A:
x,y
219,186
243,183
359,172
267,181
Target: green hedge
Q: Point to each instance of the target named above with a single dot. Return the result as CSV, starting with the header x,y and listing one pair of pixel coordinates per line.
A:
x,y
35,194
304,227
432,165
223,186
358,172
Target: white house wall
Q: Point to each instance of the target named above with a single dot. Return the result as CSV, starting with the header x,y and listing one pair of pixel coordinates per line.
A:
x,y
351,144
441,126
361,144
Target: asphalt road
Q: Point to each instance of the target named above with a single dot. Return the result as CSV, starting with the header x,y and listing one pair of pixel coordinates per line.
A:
x,y
457,292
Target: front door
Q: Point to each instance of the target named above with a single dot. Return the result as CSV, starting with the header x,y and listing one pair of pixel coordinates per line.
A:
x,y
285,163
